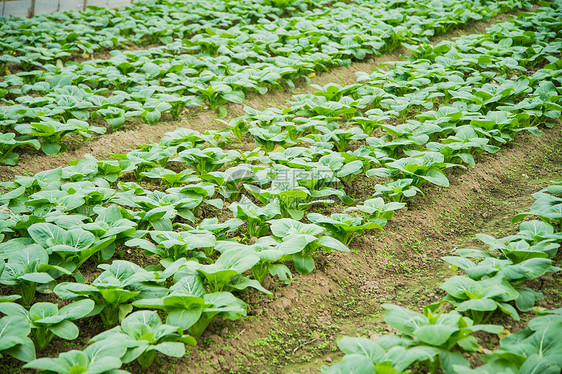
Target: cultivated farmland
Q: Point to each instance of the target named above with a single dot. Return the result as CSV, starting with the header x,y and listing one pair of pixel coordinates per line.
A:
x,y
282,186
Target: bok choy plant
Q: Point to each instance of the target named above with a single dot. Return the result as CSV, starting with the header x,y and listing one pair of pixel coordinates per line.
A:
x,y
47,320
114,290
301,240
144,335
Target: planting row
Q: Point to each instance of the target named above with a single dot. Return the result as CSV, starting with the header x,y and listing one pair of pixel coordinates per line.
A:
x,y
60,222
31,42
444,105
45,106
494,281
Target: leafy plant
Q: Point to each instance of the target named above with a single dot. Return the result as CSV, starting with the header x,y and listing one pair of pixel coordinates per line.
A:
x,y
377,211
25,269
239,126
385,354
219,230
342,226
8,142
226,273
296,190
532,349
230,181
171,178
271,137
13,338
68,248
481,298
439,332
516,274
516,251
144,335
302,240
339,137
423,167
268,251
255,216
101,357
114,290
548,205
51,132
190,308
47,320
203,161
397,190
110,221
171,245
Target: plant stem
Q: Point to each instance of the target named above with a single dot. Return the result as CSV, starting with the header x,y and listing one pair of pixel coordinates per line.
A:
x,y
42,337
27,291
147,358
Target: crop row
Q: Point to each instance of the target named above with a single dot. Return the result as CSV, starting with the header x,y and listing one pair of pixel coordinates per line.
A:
x,y
58,221
45,106
30,43
495,278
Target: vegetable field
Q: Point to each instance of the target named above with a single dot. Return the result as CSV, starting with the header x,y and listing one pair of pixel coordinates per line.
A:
x,y
325,232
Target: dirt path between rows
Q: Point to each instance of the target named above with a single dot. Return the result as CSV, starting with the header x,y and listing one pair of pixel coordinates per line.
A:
x,y
134,134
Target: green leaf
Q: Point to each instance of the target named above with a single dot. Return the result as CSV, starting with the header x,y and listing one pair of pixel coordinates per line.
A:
x,y
234,96
239,260
435,335
184,318
304,264
527,298
77,309
402,319
448,359
332,243
509,310
469,344
152,117
223,112
354,363
25,351
282,271
40,278
13,309
482,305
436,177
361,346
65,330
46,234
50,148
173,349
